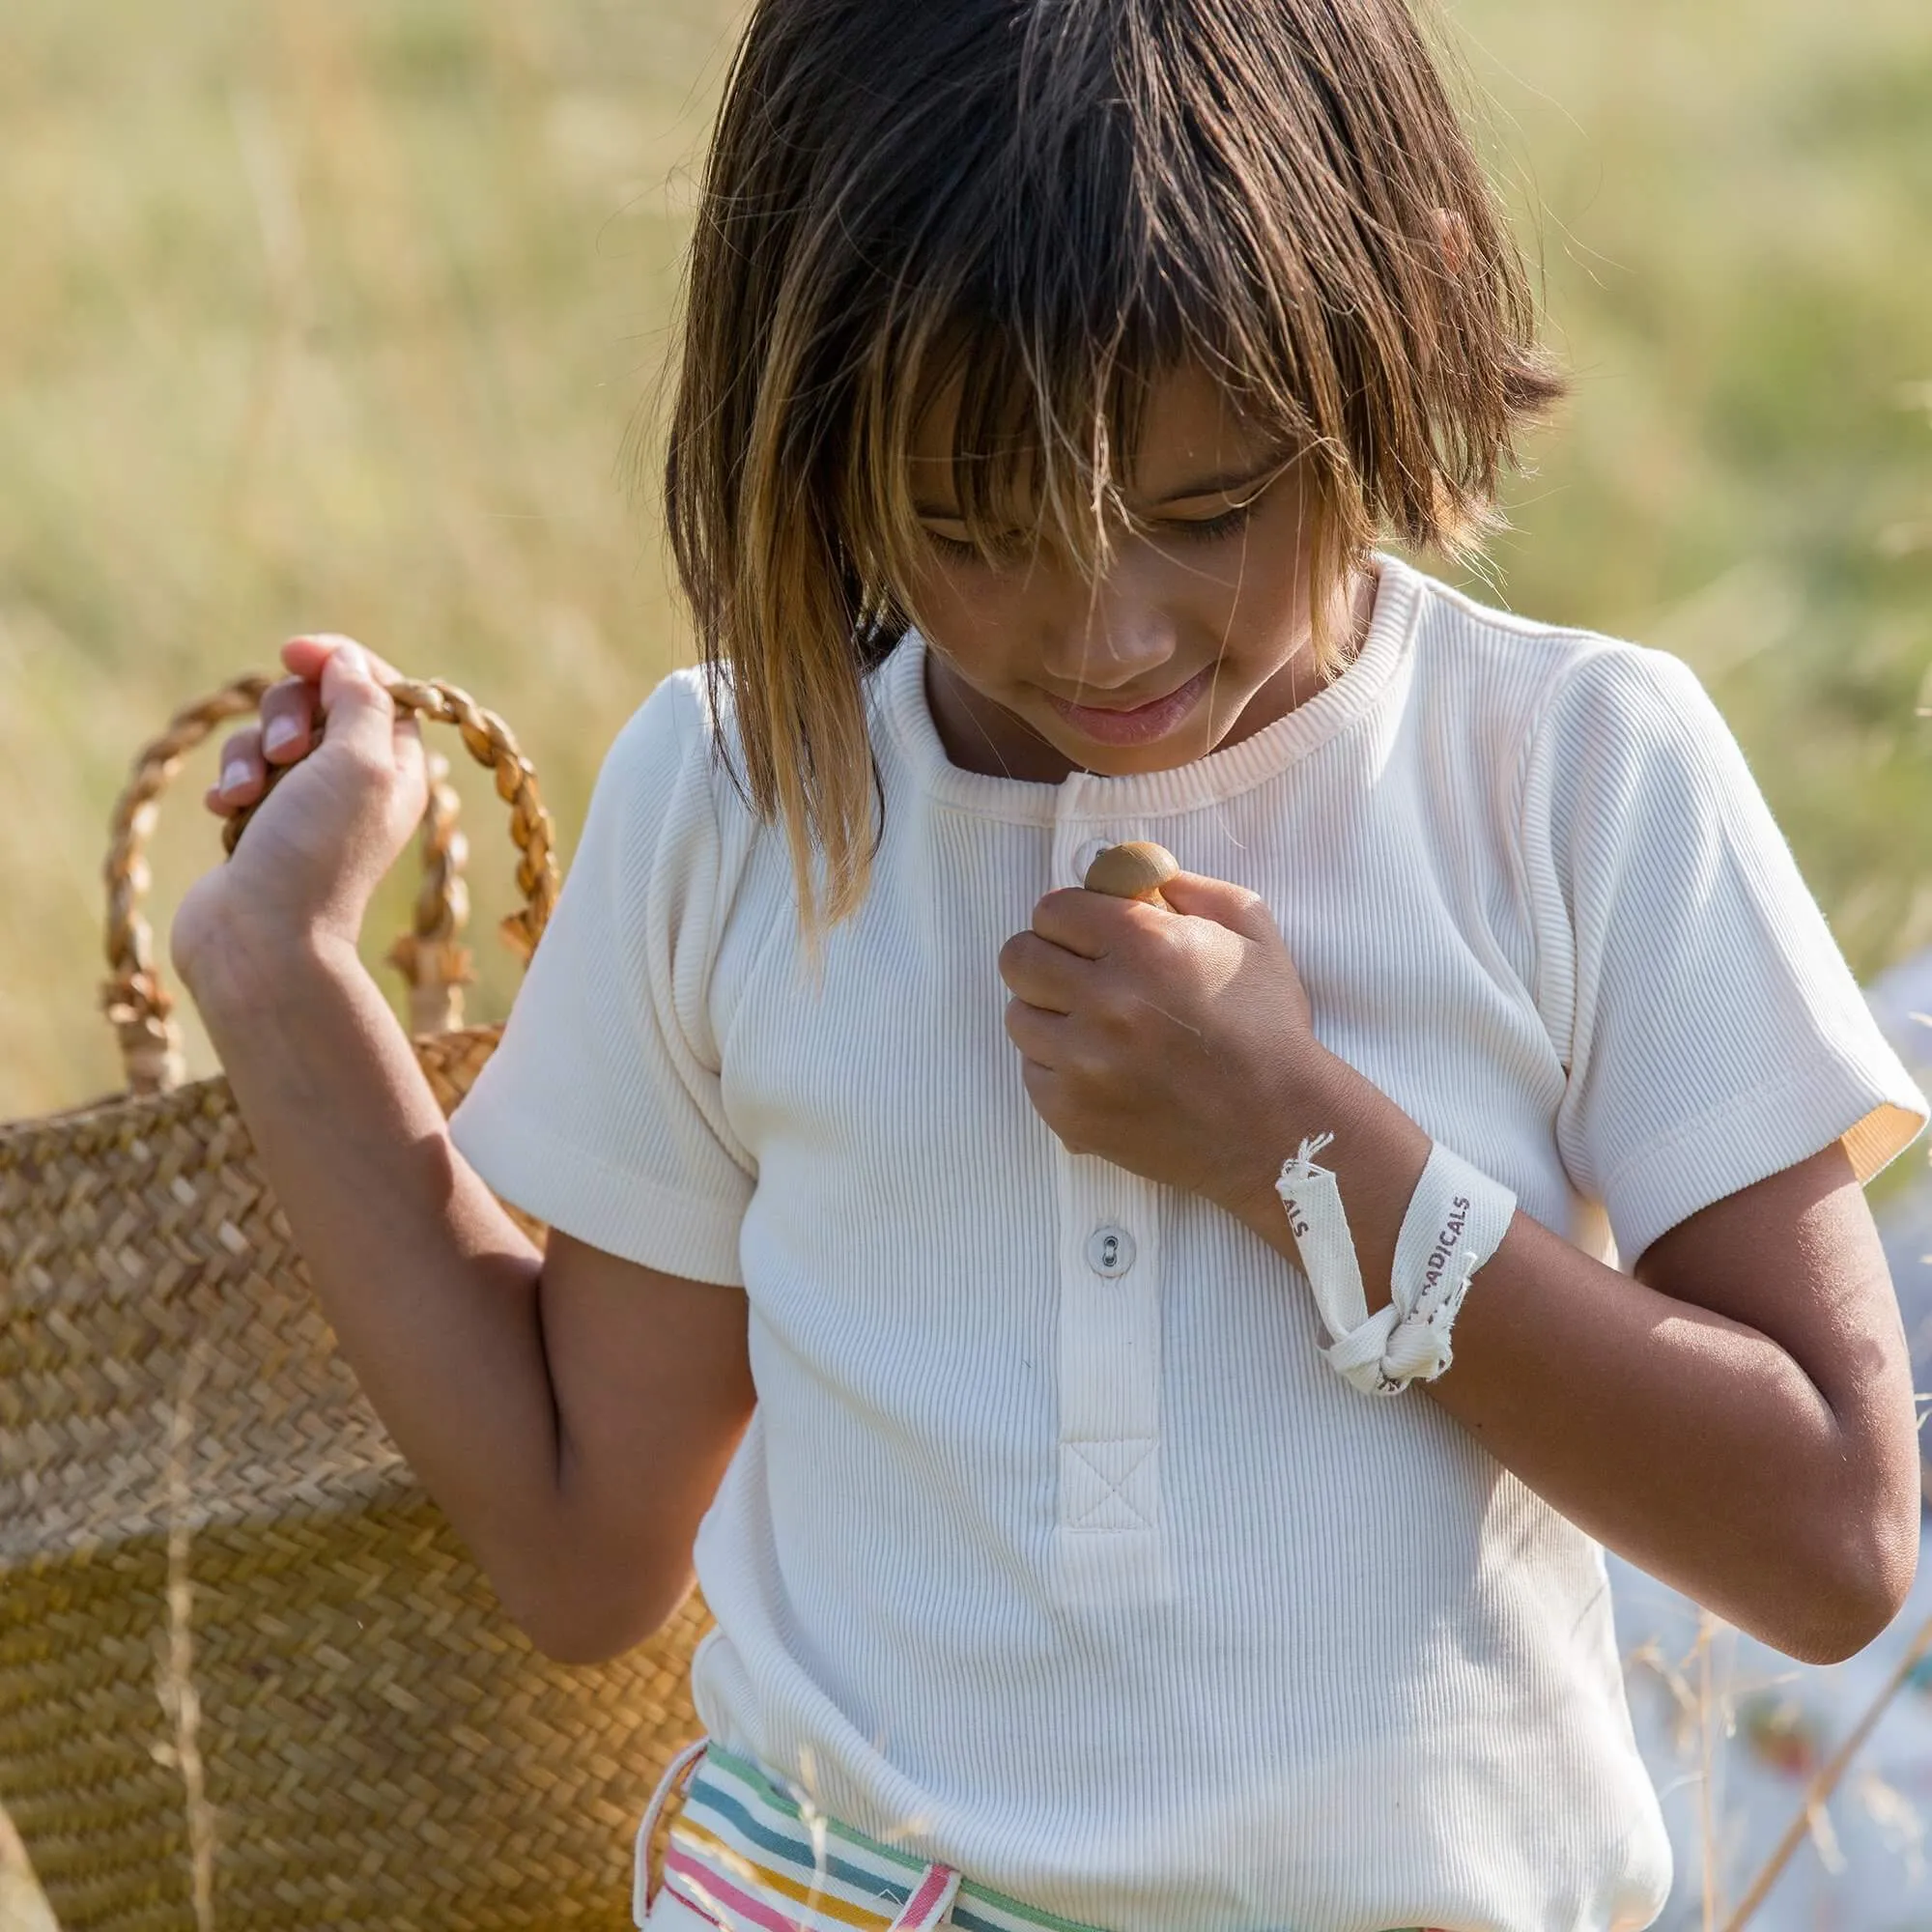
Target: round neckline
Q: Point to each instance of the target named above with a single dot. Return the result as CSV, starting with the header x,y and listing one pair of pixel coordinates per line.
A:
x,y
1222,774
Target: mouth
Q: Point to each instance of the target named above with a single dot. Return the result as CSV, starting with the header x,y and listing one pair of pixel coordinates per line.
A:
x,y
1137,724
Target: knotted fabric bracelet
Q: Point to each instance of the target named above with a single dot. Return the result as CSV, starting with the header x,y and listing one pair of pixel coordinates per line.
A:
x,y
1455,1220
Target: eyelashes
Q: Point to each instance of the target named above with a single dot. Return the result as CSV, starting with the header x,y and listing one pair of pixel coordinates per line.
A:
x,y
953,549
1202,530
1207,528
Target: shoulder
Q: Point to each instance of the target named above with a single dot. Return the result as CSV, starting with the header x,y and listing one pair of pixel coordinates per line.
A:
x,y
668,833
1459,638
681,720
1532,689
679,751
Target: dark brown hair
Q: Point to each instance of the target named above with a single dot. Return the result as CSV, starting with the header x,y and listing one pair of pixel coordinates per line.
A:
x,y
1052,200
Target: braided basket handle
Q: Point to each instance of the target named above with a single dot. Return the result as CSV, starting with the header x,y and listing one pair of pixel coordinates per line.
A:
x,y
136,999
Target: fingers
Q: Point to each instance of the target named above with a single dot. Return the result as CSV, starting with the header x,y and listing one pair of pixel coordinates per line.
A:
x,y
1043,974
284,732
1092,924
242,773
288,720
337,689
1224,902
1040,1036
351,682
309,656
1452,235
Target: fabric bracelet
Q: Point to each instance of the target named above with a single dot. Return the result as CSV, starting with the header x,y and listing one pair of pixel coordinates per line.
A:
x,y
1455,1220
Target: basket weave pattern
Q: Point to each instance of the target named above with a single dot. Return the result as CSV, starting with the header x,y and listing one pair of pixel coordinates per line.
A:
x,y
248,1675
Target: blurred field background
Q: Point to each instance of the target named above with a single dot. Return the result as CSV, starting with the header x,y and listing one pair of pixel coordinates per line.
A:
x,y
338,317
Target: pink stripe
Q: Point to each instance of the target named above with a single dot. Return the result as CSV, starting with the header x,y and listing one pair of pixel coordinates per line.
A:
x,y
689,1904
931,1889
708,1882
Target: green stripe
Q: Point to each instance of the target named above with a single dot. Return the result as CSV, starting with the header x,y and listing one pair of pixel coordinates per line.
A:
x,y
750,1773
753,1775
713,1805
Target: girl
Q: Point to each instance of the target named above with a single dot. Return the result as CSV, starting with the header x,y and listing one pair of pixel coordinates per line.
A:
x,y
1146,1384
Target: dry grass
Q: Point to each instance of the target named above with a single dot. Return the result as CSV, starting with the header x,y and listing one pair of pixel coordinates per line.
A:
x,y
180,1701
318,317
1818,1791
1709,1703
23,1908
336,315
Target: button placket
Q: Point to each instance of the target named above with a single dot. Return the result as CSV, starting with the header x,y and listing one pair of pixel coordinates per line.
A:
x,y
1109,1516
1108,1541
1084,856
1085,828
1110,1251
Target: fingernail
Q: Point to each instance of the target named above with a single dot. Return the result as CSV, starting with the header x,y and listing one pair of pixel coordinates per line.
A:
x,y
234,777
350,657
274,736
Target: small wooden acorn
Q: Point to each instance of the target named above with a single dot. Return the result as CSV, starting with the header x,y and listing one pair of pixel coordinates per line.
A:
x,y
1135,870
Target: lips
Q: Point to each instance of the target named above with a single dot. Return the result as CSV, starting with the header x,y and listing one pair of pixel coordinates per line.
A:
x,y
1140,724
1120,710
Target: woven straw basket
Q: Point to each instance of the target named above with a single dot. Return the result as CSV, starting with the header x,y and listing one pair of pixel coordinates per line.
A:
x,y
248,1676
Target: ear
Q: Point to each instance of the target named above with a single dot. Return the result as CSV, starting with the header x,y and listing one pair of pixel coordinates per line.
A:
x,y
1452,235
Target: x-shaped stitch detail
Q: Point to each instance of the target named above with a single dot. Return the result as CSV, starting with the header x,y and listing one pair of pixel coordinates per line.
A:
x,y
1113,1486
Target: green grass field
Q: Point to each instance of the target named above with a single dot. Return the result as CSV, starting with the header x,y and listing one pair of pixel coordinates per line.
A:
x,y
336,317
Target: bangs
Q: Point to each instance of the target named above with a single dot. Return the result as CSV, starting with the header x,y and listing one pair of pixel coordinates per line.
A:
x,y
1045,429
1095,234
1030,212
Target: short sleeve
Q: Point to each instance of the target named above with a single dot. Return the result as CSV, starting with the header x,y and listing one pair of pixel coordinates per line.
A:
x,y
600,1111
1711,1031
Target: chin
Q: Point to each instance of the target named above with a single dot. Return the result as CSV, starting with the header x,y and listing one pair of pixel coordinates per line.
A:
x,y
1125,761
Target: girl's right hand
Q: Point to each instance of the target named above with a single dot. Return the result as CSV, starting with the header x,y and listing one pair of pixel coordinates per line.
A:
x,y
322,839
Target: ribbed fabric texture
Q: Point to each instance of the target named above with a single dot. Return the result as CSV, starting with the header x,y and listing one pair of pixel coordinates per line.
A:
x,y
1055,1552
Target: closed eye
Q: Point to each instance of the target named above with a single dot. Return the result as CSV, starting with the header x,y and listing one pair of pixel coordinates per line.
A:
x,y
1205,530
1189,530
954,547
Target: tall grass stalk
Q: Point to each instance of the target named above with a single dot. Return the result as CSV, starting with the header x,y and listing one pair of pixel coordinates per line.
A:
x,y
1707,1827
180,1701
1827,1781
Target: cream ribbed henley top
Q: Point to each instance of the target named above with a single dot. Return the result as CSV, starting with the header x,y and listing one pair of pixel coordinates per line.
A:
x,y
1055,1550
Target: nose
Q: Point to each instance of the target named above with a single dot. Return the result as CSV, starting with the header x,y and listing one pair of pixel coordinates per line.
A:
x,y
1109,636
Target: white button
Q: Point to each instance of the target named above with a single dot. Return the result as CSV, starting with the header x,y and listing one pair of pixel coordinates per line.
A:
x,y
1110,1251
1086,856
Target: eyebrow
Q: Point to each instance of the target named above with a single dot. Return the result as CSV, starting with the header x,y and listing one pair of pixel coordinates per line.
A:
x,y
1223,484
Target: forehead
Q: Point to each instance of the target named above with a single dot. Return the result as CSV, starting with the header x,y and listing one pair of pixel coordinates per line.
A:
x,y
1190,427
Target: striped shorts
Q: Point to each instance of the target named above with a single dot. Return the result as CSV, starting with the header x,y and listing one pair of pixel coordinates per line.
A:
x,y
743,1857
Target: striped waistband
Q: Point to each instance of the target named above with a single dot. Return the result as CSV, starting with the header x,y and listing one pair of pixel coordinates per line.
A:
x,y
746,1856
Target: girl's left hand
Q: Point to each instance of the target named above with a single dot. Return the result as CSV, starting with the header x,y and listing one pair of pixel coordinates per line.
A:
x,y
1166,1041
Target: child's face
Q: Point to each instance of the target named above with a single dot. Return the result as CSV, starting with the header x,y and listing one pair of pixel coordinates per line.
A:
x,y
1033,666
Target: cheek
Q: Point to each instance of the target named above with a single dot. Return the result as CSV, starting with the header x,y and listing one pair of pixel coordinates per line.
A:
x,y
1236,602
1258,597
973,615
1271,599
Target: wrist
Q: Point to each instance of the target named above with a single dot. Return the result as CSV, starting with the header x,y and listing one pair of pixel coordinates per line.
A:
x,y
1377,1153
243,968
1307,1105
